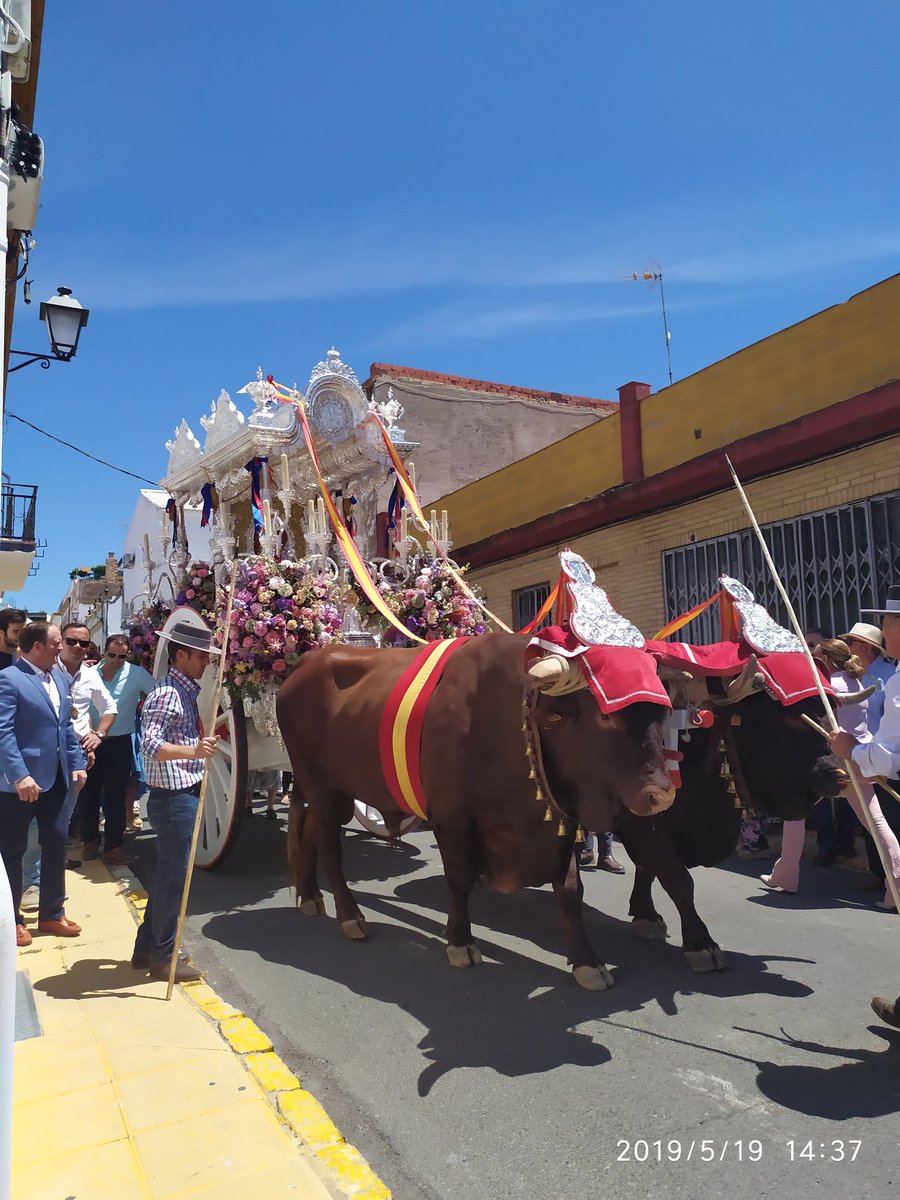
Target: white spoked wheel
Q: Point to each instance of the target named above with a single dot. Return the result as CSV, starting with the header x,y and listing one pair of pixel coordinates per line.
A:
x,y
226,788
373,822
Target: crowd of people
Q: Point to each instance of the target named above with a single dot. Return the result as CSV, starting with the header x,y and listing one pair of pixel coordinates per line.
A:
x,y
71,720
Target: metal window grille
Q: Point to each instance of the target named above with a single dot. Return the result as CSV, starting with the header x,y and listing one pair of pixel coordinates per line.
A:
x,y
17,516
833,564
526,604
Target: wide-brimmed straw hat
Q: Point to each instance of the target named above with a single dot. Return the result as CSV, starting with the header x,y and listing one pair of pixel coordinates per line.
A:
x,y
191,637
892,608
866,633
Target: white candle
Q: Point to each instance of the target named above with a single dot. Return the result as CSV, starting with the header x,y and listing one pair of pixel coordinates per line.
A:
x,y
147,548
165,529
285,477
432,524
403,526
267,517
320,506
444,525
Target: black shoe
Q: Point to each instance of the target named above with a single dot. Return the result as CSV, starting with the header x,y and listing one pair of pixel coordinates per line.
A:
x,y
184,971
271,814
825,858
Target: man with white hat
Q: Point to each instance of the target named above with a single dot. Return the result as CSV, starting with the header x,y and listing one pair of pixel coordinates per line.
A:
x,y
881,756
174,752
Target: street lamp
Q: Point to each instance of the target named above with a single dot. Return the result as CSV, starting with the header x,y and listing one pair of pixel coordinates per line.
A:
x,y
65,319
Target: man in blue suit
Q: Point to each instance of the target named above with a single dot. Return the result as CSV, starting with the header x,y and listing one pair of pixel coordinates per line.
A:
x,y
42,765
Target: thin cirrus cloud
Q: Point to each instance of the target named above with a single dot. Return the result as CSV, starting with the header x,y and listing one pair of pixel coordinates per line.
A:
x,y
391,262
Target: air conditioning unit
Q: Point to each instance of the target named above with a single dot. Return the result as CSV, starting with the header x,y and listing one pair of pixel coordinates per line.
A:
x,y
19,63
127,561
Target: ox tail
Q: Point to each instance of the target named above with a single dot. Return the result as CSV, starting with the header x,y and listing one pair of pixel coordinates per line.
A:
x,y
297,815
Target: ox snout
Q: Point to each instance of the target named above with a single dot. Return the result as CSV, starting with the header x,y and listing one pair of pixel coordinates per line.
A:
x,y
654,798
829,776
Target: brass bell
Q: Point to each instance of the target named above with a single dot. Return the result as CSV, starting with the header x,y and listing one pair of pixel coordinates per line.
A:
x,y
579,834
531,773
538,793
561,829
548,815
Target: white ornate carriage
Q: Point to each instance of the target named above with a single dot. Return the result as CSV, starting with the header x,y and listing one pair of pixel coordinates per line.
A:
x,y
353,460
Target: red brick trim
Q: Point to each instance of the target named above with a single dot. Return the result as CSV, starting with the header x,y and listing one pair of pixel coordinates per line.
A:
x,y
380,371
854,422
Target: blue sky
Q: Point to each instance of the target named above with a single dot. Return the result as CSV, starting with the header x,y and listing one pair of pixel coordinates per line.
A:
x,y
456,187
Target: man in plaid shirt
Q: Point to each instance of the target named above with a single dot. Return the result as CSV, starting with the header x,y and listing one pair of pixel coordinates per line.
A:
x,y
174,753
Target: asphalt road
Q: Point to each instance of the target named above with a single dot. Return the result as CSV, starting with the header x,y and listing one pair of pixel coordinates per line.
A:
x,y
507,1080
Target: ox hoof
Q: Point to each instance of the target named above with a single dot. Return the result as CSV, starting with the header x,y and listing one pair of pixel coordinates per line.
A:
x,y
702,961
355,929
313,908
595,979
652,929
464,956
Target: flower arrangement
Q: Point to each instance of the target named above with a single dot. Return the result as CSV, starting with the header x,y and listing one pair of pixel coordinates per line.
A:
x,y
280,610
198,591
433,605
143,630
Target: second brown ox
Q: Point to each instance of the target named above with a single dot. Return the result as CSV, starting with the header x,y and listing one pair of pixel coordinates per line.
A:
x,y
482,803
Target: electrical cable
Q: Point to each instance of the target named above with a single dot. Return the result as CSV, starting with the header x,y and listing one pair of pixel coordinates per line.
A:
x,y
78,450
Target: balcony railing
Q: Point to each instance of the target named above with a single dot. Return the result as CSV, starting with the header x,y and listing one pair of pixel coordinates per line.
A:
x,y
18,505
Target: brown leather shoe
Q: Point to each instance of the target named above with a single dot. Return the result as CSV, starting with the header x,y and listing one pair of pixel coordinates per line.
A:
x,y
90,851
611,864
119,857
62,927
887,1010
184,972
870,883
23,937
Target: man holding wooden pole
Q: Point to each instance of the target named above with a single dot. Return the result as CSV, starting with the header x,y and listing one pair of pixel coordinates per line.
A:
x,y
174,754
881,756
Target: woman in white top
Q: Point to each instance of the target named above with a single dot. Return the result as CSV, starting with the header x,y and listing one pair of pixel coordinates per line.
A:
x,y
846,672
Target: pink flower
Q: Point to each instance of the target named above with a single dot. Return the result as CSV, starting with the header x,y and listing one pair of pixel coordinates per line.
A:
x,y
190,593
279,666
290,643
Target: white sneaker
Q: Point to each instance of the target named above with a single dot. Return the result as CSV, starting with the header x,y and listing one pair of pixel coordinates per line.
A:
x,y
31,899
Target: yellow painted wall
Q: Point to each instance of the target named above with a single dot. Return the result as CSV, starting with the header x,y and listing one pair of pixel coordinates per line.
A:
x,y
841,352
627,556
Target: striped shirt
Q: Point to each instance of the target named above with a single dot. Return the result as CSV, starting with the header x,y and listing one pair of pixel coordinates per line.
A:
x,y
171,715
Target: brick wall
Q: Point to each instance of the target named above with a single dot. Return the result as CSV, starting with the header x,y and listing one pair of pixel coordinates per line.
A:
x,y
627,556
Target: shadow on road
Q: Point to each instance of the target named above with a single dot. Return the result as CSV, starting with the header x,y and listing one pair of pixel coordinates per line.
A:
x,y
866,1086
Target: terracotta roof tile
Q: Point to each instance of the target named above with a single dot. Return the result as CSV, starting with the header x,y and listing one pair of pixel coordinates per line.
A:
x,y
381,371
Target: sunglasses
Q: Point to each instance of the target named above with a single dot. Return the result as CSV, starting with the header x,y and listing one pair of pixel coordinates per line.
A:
x,y
109,654
85,645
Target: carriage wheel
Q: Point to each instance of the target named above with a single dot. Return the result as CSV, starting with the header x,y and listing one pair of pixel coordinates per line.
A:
x,y
226,789
372,821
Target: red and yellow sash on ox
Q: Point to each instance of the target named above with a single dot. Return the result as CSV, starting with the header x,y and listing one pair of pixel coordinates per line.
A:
x,y
400,732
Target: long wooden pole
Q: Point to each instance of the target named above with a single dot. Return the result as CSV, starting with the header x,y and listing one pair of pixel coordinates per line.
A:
x,y
829,712
211,725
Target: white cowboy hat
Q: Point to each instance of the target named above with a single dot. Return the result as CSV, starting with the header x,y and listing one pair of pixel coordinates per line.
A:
x,y
866,633
892,608
190,636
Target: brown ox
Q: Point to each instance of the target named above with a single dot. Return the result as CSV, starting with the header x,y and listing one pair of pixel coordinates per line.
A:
x,y
482,802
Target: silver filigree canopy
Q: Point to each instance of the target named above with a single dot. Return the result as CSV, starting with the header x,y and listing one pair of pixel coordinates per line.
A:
x,y
184,449
757,627
594,620
224,421
332,365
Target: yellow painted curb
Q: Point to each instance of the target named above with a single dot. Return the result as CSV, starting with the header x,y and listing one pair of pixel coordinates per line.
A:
x,y
244,1035
308,1119
273,1074
354,1173
298,1109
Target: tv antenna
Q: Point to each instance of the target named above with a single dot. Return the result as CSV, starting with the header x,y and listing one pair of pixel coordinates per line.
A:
x,y
653,277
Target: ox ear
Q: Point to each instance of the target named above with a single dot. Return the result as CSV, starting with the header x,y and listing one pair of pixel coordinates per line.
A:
x,y
556,676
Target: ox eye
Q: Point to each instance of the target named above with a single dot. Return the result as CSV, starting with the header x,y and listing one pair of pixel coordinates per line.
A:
x,y
605,717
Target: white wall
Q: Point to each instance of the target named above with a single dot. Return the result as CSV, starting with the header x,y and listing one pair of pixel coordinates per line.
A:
x,y
147,521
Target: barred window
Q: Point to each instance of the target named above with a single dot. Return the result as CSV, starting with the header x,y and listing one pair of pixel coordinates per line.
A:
x,y
833,564
526,604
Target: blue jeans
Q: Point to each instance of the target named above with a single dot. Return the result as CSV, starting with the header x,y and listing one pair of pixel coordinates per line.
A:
x,y
172,815
604,845
31,860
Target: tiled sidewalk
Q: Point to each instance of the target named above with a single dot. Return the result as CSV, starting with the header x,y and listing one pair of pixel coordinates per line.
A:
x,y
126,1095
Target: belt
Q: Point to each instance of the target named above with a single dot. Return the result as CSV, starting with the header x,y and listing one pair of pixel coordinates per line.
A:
x,y
193,790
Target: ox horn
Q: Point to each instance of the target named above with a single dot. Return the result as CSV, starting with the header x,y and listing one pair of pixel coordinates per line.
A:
x,y
842,698
556,676
750,680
